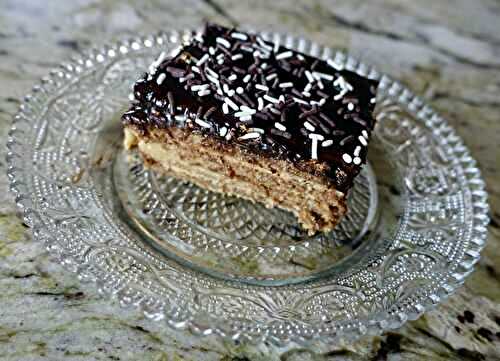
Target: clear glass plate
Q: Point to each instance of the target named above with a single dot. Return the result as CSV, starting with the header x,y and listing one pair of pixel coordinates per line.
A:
x,y
215,264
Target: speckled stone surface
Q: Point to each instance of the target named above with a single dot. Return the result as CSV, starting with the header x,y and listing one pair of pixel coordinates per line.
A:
x,y
449,52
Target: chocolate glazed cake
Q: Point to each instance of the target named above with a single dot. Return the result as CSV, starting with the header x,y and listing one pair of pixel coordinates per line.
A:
x,y
238,115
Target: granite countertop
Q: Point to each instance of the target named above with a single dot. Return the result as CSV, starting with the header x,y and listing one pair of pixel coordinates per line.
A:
x,y
449,52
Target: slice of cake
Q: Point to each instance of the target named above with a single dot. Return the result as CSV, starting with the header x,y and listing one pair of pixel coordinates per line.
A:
x,y
239,115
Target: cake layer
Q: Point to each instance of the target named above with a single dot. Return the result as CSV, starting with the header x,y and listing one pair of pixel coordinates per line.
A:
x,y
231,170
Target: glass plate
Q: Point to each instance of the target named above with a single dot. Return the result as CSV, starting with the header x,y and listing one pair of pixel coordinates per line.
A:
x,y
215,264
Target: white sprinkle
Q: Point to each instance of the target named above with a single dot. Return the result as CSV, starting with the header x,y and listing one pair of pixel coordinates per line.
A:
x,y
204,92
225,109
347,158
256,54
334,65
260,104
246,118
199,36
276,45
251,135
362,140
232,77
202,123
308,87
211,72
180,117
222,131
309,76
239,36
280,126
220,61
356,160
131,97
340,95
320,84
263,65
323,75
314,149
271,76
223,42
271,99
273,110
300,57
211,50
198,87
160,58
364,133
176,51
261,87
314,144
245,108
229,136
203,59
263,44
212,79
357,150
306,94
237,57
220,56
309,126
350,106
284,55
246,48
373,100
286,85
316,136
228,90
160,78
320,102
231,103
244,113
298,100
246,79
239,90
281,99
327,143
195,69
157,62
258,130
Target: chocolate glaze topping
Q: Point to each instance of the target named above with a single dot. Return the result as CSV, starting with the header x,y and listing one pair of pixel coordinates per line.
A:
x,y
263,97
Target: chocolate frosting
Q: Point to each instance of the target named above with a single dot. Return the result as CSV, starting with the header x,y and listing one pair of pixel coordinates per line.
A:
x,y
263,97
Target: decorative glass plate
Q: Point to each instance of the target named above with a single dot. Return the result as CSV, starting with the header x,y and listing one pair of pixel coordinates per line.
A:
x,y
216,264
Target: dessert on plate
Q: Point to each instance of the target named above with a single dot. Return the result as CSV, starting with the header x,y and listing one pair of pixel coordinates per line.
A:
x,y
243,116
